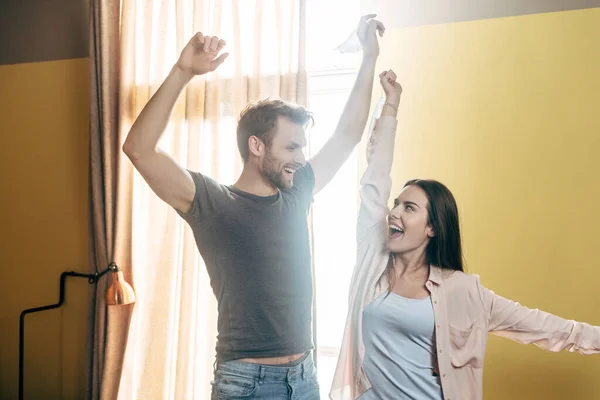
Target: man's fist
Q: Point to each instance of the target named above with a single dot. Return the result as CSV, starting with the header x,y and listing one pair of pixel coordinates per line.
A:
x,y
200,55
367,30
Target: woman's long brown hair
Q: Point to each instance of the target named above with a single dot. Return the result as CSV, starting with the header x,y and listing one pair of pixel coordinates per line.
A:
x,y
444,249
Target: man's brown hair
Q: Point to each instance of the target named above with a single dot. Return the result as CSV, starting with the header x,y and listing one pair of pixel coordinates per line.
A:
x,y
260,120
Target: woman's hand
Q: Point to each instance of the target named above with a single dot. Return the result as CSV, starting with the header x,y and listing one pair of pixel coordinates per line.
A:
x,y
392,89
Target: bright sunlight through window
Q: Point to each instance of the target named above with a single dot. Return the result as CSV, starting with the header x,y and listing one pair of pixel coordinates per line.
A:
x,y
331,76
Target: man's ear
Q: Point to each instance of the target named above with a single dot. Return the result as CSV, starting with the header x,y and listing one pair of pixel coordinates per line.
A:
x,y
256,146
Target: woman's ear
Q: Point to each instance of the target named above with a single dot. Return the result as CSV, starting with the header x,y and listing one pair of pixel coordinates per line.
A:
x,y
430,231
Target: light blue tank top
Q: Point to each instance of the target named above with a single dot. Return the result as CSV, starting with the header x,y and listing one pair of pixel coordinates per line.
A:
x,y
398,335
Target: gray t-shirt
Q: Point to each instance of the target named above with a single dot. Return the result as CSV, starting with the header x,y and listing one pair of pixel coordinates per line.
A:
x,y
398,334
257,254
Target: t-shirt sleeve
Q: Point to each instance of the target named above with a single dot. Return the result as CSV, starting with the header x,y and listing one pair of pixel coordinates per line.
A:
x,y
210,196
304,184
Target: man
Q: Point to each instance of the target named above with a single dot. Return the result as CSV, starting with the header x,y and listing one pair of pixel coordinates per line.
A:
x,y
253,236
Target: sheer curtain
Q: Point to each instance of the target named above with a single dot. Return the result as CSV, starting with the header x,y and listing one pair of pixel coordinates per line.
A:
x,y
171,345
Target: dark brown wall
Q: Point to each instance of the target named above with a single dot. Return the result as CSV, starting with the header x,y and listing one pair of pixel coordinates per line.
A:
x,y
43,30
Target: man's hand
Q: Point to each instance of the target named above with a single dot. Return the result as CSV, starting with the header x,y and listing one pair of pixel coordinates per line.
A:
x,y
367,30
199,56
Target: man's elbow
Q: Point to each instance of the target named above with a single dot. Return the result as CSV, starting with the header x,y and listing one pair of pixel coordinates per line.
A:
x,y
136,150
129,149
349,139
353,140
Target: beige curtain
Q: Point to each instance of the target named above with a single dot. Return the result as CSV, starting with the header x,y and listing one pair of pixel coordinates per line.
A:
x,y
171,345
110,203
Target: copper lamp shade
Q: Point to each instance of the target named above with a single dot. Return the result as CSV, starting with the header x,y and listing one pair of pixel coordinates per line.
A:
x,y
119,292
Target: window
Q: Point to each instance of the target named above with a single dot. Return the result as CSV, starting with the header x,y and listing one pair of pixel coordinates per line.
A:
x,y
203,138
330,79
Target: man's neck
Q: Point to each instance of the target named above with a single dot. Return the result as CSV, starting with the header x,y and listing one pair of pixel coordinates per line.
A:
x,y
253,182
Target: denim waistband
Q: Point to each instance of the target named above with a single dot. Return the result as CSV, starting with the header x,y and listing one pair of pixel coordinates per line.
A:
x,y
265,372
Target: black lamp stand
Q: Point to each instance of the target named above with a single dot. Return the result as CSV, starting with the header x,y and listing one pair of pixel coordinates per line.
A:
x,y
92,279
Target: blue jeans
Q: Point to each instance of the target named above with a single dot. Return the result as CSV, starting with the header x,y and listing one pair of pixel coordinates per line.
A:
x,y
242,380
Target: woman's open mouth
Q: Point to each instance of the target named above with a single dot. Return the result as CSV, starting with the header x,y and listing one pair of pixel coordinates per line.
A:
x,y
396,231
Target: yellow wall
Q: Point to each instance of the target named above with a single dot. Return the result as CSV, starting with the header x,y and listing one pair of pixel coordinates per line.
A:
x,y
44,111
506,112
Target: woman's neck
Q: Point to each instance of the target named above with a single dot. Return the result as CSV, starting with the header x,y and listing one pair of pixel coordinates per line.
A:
x,y
410,265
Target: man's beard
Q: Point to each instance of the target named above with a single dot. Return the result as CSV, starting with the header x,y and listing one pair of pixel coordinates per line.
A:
x,y
272,173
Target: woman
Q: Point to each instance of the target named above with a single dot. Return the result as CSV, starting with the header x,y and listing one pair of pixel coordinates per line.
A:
x,y
417,324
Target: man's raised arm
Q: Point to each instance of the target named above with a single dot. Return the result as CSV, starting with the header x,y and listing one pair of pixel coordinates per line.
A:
x,y
166,178
353,120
